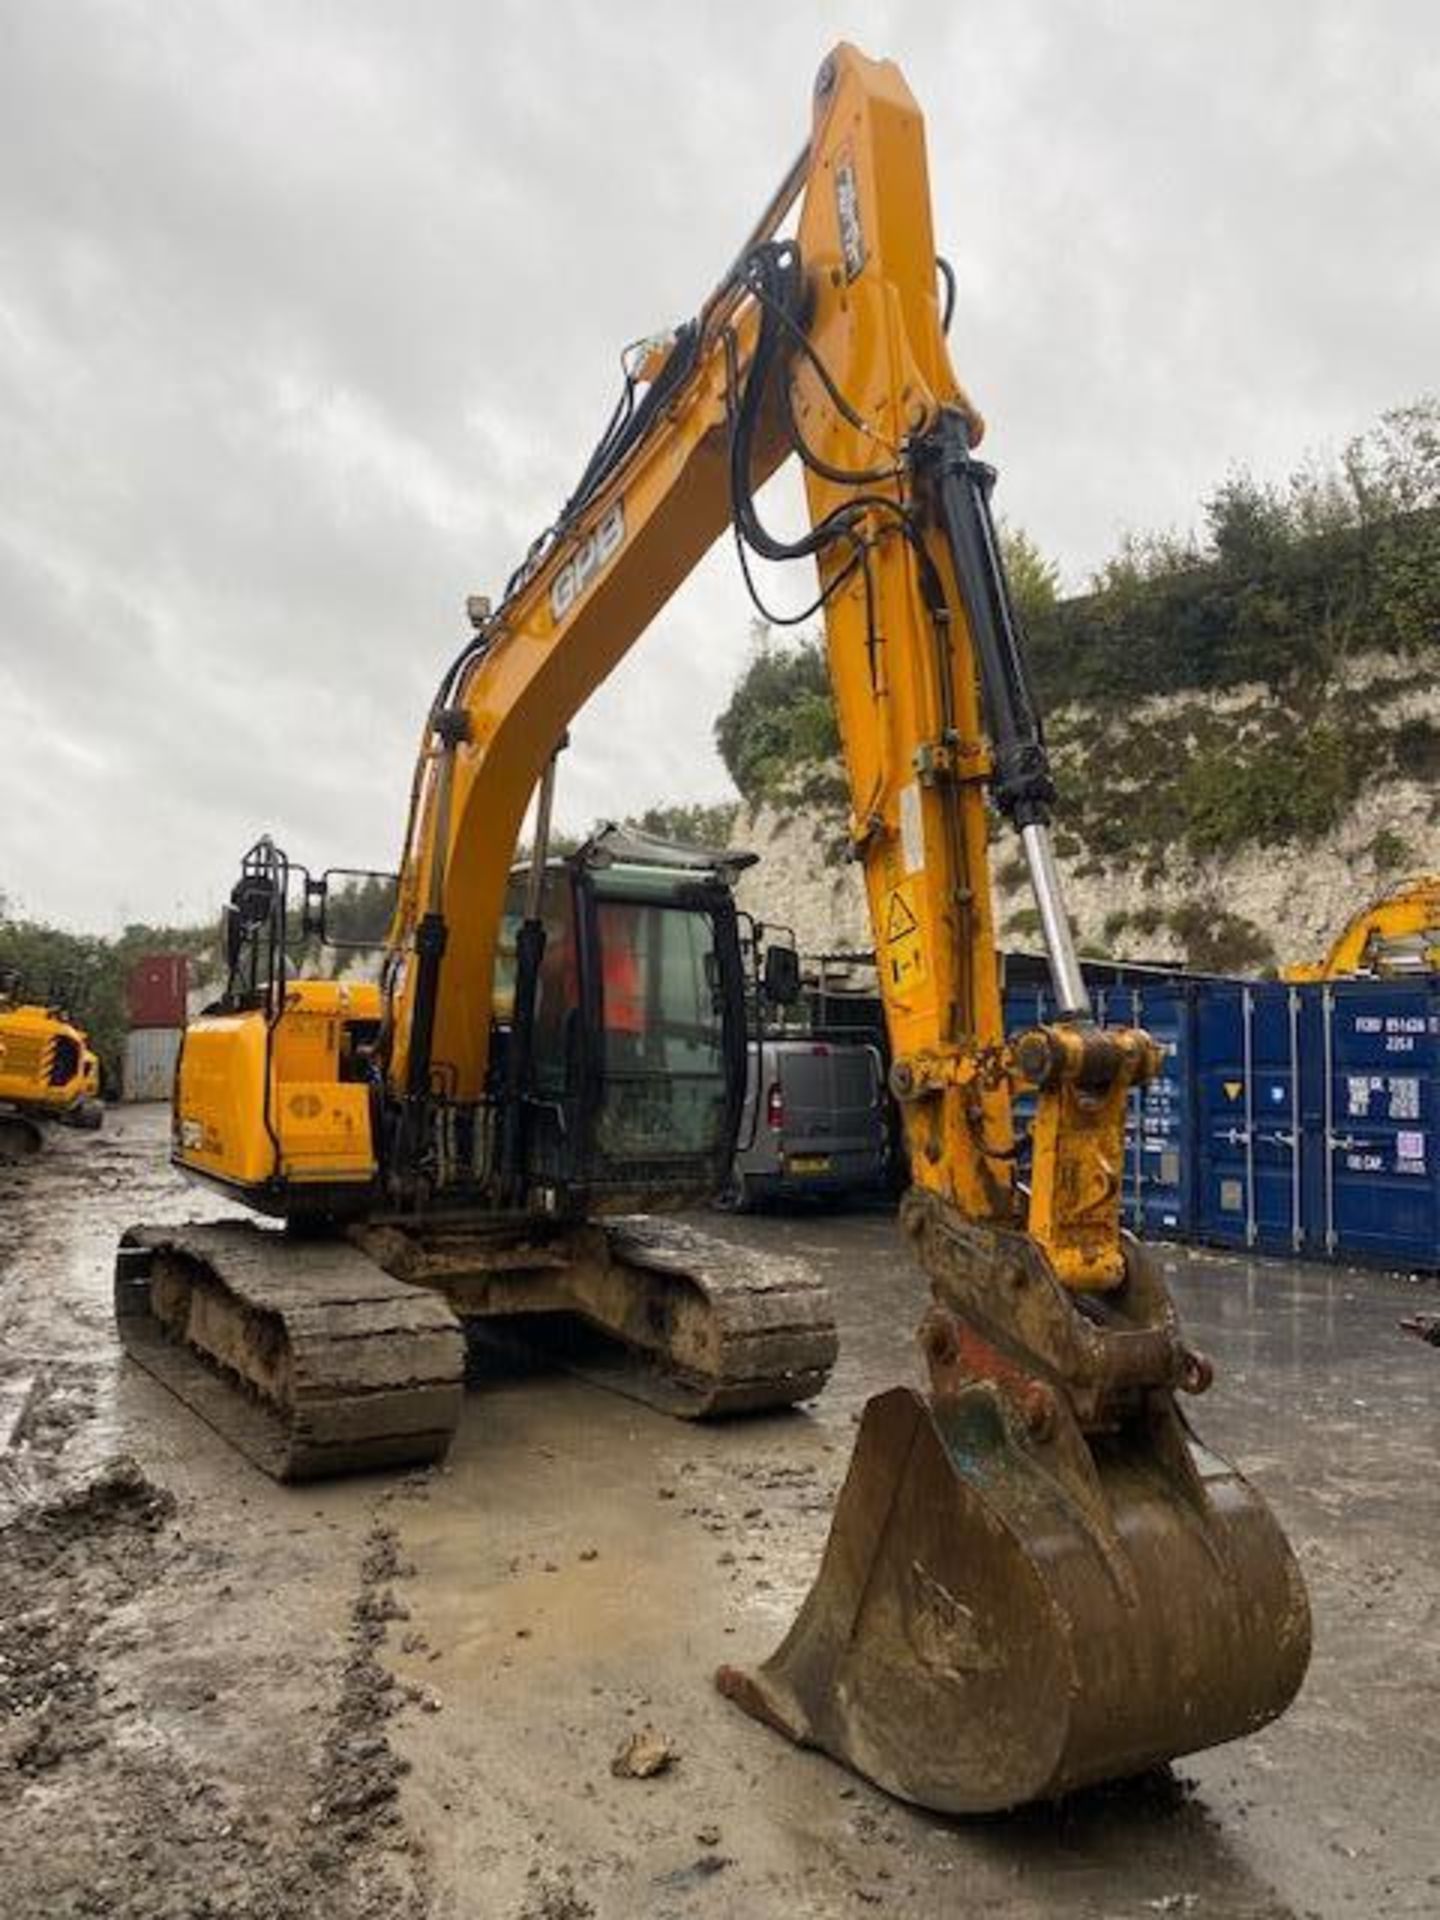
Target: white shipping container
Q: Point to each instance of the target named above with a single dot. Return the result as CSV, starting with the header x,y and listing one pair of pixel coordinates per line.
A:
x,y
150,1054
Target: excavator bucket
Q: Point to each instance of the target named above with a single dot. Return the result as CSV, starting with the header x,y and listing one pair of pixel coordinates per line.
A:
x,y
1010,1607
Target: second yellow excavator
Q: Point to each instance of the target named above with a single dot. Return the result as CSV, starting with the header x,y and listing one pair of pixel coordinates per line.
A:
x,y
1036,1575
1396,936
48,1071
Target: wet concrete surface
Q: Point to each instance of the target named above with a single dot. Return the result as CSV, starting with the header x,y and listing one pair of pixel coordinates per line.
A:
x,y
478,1642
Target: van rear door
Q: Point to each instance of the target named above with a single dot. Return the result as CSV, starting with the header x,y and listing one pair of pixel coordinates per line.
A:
x,y
834,1124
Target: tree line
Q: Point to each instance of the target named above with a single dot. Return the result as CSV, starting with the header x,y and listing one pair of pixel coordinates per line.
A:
x,y
1280,586
85,975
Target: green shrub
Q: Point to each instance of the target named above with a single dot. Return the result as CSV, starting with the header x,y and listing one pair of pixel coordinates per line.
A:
x,y
697,825
1389,851
781,717
1215,940
1415,747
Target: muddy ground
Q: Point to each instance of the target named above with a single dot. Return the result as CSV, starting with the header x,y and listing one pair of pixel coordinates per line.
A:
x,y
402,1697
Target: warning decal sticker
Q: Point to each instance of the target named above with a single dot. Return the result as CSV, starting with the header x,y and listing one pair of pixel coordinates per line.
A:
x,y
901,918
904,955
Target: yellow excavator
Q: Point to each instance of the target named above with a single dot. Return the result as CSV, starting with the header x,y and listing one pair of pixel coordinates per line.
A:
x,y
1036,1575
48,1071
1395,937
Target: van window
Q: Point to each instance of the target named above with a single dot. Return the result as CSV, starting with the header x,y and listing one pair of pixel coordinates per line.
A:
x,y
830,1079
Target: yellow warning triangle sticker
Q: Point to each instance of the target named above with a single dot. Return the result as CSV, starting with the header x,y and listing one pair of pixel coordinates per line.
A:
x,y
900,920
1233,1088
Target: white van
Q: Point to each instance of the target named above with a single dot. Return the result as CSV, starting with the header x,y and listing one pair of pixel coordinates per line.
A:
x,y
816,1126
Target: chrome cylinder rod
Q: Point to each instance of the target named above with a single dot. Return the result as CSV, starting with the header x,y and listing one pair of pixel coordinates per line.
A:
x,y
1071,993
540,846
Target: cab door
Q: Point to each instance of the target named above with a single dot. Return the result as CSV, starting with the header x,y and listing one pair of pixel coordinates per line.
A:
x,y
669,1053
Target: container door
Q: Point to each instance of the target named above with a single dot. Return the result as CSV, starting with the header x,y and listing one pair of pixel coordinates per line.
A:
x,y
1223,1107
1379,1189
1276,1118
150,1055
1250,1139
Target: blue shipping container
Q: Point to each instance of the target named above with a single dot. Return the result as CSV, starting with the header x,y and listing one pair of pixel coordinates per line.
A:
x,y
1288,1119
1250,1085
1377,1194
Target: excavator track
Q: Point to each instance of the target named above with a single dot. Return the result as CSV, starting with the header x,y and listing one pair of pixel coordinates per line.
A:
x,y
303,1354
707,1328
744,1330
20,1138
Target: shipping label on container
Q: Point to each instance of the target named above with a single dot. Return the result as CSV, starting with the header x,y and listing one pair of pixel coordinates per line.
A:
x,y
1409,1152
1400,1030
1409,1157
1404,1098
1359,1087
1398,1096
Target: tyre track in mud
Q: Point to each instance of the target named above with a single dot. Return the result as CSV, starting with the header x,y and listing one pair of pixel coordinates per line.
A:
x,y
193,1697
106,1806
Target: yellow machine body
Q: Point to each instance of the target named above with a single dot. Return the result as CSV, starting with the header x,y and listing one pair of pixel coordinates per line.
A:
x,y
262,1106
42,1060
48,1071
46,1065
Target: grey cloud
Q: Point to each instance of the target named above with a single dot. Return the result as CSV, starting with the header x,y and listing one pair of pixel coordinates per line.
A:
x,y
308,316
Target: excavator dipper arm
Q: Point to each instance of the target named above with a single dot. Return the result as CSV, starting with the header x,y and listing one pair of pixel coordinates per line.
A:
x,y
1396,934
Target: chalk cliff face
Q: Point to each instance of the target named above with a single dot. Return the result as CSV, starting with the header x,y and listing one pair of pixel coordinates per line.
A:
x,y
1168,842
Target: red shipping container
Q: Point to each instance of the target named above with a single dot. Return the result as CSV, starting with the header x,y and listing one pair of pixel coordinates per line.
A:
x,y
156,990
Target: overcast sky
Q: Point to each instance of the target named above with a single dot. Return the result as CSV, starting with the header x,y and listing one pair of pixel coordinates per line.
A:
x,y
310,313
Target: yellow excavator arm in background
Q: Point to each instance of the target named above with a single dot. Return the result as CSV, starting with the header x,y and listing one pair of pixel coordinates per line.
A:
x,y
1396,934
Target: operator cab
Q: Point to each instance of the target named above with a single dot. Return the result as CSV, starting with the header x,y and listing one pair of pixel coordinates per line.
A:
x,y
636,1068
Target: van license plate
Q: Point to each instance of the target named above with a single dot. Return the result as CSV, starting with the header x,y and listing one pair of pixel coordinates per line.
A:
x,y
808,1163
